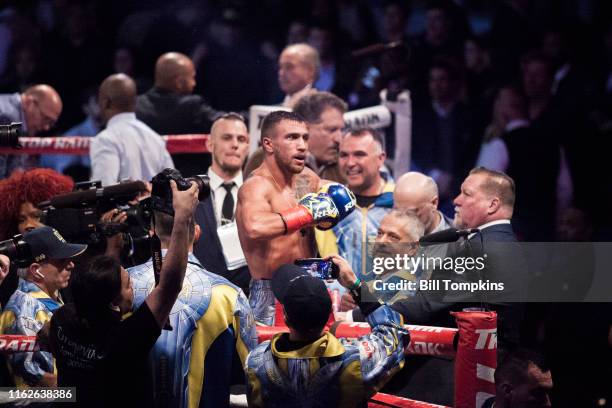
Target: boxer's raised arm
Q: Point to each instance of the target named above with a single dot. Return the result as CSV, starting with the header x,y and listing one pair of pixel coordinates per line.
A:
x,y
254,214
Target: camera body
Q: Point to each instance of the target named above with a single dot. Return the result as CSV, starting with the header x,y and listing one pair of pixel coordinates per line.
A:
x,y
161,193
76,216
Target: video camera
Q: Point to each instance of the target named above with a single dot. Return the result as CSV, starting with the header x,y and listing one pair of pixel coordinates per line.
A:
x,y
9,135
161,193
76,215
17,250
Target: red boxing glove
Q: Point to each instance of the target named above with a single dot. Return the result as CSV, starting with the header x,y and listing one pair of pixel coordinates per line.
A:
x,y
313,209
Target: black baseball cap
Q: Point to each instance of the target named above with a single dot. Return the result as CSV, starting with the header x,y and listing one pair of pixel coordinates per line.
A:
x,y
47,243
304,297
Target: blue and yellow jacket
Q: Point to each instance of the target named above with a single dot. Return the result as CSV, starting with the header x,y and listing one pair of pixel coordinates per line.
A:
x,y
348,237
328,372
211,323
27,310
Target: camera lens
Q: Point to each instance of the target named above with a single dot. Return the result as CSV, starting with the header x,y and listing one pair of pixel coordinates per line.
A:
x,y
9,135
203,183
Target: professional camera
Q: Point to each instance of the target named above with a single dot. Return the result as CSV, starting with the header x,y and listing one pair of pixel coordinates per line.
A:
x,y
76,215
9,135
17,250
161,194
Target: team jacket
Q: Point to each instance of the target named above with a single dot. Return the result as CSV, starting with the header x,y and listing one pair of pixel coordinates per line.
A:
x,y
28,309
328,372
348,237
211,321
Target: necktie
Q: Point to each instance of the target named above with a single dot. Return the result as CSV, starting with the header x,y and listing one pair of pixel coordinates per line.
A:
x,y
227,209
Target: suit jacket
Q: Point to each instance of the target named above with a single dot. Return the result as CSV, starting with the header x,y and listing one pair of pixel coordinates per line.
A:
x,y
171,114
534,166
208,248
504,263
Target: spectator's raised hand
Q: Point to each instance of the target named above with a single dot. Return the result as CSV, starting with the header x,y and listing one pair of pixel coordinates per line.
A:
x,y
346,276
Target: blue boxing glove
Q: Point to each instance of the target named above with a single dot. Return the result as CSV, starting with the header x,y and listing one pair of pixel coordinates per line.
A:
x,y
312,209
343,198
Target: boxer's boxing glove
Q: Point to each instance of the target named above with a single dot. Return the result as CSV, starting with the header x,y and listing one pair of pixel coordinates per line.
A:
x,y
343,198
312,209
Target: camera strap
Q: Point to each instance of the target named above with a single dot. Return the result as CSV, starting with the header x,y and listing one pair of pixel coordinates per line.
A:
x,y
156,258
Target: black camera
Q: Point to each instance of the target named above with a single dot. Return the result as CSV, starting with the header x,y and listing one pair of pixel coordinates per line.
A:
x,y
76,215
9,135
161,193
17,250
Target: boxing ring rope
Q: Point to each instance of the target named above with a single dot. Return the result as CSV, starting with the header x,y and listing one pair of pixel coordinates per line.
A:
x,y
79,145
473,345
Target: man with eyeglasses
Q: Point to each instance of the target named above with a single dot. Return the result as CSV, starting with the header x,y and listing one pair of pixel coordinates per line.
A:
x,y
38,108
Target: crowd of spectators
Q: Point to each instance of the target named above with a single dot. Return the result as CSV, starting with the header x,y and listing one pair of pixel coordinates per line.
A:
x,y
454,57
522,88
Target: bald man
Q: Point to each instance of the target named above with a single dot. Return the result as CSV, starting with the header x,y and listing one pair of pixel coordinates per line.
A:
x,y
170,108
38,108
418,193
298,69
127,148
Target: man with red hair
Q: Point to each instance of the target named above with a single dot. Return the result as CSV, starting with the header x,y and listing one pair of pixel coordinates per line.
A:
x,y
21,192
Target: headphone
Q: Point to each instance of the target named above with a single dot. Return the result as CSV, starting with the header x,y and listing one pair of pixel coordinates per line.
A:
x,y
39,274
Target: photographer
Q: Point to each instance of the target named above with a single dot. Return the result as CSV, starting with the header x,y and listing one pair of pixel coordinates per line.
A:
x,y
36,300
336,372
101,354
211,318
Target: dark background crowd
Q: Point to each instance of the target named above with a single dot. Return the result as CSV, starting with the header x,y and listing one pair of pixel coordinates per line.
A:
x,y
472,67
454,57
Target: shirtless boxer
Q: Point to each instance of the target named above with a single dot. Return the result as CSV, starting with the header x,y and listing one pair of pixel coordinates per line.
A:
x,y
278,203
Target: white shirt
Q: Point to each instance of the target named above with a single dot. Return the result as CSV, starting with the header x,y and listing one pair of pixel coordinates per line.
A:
x,y
127,149
218,192
490,224
494,153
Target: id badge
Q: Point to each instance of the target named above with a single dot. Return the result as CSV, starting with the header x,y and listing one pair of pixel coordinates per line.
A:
x,y
230,244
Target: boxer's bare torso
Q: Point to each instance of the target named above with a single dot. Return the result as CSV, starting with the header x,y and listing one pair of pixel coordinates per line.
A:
x,y
260,227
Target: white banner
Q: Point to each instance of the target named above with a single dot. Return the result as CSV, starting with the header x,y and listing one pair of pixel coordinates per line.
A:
x,y
376,117
256,115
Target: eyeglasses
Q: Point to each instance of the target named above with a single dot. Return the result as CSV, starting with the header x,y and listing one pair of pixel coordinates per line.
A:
x,y
47,120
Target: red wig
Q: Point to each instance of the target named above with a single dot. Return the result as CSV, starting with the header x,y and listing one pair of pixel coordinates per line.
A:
x,y
32,186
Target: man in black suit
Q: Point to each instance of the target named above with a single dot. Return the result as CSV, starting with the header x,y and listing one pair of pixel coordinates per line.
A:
x,y
170,108
485,202
229,145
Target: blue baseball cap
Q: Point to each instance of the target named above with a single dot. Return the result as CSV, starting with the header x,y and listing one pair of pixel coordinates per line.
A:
x,y
47,243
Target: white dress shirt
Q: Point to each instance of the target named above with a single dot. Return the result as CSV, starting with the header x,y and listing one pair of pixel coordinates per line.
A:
x,y
218,192
127,149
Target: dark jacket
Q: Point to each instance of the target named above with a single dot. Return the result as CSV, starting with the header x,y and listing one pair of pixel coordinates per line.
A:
x,y
504,263
208,248
168,113
171,114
